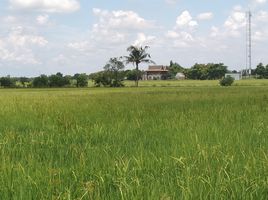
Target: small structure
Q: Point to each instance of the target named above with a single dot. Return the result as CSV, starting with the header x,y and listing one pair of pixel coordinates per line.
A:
x,y
156,72
180,76
235,76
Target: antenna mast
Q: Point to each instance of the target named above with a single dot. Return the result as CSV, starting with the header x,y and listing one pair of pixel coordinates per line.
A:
x,y
249,44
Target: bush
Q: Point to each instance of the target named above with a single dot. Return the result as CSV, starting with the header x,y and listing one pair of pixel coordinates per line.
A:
x,y
227,81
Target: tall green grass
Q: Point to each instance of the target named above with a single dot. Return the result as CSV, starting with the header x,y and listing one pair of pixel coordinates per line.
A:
x,y
194,83
134,143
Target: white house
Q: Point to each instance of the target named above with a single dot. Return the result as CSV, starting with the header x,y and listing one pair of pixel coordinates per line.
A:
x,y
180,76
235,76
156,72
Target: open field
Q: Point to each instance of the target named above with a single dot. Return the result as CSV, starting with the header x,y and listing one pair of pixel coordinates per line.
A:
x,y
135,143
196,83
192,83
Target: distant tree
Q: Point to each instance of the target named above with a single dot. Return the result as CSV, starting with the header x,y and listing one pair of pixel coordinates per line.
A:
x,y
209,71
197,72
7,82
58,80
75,76
216,71
24,80
101,79
82,80
40,81
227,81
132,74
266,72
114,70
174,68
260,70
136,56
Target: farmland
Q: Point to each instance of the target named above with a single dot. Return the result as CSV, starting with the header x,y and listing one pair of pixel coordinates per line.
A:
x,y
178,140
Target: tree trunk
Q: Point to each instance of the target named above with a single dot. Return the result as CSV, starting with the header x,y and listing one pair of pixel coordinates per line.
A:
x,y
137,75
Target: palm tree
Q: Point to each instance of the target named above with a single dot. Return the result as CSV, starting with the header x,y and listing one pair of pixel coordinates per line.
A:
x,y
136,56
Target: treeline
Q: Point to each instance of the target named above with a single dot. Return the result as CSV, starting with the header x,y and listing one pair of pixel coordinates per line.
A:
x,y
114,74
213,71
261,71
44,81
210,71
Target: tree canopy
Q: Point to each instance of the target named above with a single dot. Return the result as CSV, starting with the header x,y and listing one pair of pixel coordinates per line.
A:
x,y
136,56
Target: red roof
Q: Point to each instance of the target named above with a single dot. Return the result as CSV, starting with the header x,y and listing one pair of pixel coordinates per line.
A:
x,y
157,68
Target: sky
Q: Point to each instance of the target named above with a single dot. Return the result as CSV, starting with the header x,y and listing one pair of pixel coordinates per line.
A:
x,y
80,36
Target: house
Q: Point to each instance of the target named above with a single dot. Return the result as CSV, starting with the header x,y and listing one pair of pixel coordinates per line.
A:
x,y
180,76
235,76
156,72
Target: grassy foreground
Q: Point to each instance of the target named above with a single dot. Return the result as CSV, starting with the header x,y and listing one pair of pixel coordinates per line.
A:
x,y
145,143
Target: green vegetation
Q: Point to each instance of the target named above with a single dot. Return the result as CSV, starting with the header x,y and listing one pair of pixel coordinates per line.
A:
x,y
112,76
261,71
227,81
209,71
195,83
135,143
138,55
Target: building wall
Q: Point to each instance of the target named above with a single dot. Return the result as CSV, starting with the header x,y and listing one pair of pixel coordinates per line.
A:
x,y
155,75
236,77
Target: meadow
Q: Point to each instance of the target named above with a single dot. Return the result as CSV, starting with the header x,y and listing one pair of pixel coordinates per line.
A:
x,y
190,140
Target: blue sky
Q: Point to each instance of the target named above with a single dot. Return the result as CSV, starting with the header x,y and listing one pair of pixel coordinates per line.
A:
x,y
70,36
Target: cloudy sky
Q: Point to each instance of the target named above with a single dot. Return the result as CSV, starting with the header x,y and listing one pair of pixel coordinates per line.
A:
x,y
47,36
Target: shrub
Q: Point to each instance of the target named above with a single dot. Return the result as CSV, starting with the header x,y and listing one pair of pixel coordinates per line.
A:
x,y
227,81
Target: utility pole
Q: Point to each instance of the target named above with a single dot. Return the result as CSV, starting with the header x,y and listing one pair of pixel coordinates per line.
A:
x,y
249,44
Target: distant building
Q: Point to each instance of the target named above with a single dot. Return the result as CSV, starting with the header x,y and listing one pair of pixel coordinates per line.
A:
x,y
235,76
180,76
156,72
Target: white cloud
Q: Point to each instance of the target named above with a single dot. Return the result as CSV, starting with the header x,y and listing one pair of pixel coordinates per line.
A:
x,y
262,16
82,46
182,34
143,40
205,16
114,27
171,1
17,46
18,38
261,1
185,19
42,19
60,6
181,39
172,34
120,19
214,32
235,22
10,19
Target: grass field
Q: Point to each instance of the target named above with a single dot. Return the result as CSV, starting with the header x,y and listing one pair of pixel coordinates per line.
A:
x,y
191,83
196,83
135,143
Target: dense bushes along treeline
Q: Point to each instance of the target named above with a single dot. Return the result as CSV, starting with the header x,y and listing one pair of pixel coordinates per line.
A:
x,y
44,81
113,75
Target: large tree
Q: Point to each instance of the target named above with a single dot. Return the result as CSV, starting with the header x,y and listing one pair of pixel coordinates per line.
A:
x,y
114,69
112,75
136,56
260,71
